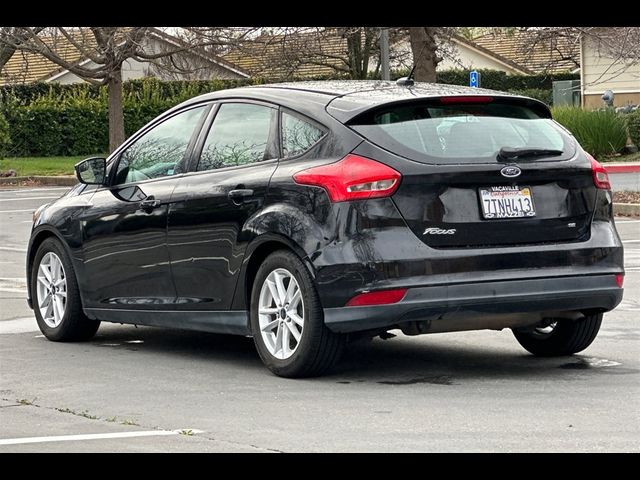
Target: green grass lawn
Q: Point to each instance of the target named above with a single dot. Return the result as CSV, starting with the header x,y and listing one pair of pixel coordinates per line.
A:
x,y
26,166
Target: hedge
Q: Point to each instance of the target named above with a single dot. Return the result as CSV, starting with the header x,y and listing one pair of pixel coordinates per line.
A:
x,y
5,139
494,79
65,130
498,80
58,120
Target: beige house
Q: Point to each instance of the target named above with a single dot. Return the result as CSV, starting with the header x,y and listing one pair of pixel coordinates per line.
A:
x,y
601,72
512,53
467,54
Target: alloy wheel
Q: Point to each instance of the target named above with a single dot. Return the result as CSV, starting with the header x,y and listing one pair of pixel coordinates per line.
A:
x,y
281,313
51,289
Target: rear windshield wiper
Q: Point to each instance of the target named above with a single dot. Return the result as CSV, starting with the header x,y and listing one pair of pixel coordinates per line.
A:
x,y
509,153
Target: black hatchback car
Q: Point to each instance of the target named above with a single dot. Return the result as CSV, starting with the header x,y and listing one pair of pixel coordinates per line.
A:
x,y
307,214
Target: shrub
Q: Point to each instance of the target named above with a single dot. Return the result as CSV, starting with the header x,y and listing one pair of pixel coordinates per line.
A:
x,y
633,123
5,140
543,95
600,132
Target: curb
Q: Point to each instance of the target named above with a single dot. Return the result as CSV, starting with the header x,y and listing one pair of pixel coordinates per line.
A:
x,y
622,168
60,181
630,209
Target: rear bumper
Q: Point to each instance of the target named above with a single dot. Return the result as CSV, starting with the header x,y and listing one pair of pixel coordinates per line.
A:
x,y
482,305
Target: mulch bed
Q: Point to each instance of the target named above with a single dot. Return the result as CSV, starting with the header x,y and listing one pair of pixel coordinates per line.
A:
x,y
626,197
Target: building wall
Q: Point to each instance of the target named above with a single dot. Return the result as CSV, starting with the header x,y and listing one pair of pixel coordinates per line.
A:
x,y
600,73
619,100
465,58
131,69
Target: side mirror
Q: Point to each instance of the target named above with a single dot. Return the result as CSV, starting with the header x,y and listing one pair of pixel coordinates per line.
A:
x,y
92,171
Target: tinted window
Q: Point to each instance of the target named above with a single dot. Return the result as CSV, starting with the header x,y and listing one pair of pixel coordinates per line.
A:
x,y
297,135
159,152
239,136
460,133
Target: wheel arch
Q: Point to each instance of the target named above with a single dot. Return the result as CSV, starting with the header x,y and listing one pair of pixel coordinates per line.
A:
x,y
257,251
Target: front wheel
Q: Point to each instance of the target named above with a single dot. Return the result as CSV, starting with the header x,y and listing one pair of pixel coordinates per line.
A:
x,y
560,337
56,298
287,320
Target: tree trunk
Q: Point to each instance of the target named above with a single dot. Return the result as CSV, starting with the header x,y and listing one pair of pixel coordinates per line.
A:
x,y
116,115
6,52
424,47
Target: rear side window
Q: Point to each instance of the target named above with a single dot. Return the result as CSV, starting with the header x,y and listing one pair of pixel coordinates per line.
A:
x,y
431,132
298,136
239,135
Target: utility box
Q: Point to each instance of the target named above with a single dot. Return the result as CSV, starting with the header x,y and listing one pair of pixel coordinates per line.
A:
x,y
566,92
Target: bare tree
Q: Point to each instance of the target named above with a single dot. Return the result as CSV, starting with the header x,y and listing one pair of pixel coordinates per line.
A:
x,y
620,44
10,39
429,45
103,50
284,52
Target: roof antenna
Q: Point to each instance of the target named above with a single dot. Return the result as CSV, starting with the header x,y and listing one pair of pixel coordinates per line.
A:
x,y
408,81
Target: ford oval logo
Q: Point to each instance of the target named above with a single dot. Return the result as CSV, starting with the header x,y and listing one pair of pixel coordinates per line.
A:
x,y
510,171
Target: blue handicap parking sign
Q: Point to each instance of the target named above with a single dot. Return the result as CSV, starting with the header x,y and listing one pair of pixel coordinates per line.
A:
x,y
474,79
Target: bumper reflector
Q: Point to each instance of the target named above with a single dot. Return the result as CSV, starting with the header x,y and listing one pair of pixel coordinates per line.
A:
x,y
382,297
619,279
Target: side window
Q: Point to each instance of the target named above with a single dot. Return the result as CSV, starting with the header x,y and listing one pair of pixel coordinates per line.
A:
x,y
297,135
239,135
159,151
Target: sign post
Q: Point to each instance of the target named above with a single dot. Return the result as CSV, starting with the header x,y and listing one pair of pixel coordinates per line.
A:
x,y
474,79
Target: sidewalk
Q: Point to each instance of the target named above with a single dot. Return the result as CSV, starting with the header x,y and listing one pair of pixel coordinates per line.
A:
x,y
39,180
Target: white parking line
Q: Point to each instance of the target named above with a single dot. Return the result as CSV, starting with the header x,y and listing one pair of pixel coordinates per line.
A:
x,y
22,190
17,211
18,325
630,241
12,249
16,199
94,436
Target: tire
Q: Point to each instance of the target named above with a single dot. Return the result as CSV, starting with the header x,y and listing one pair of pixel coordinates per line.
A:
x,y
72,325
565,338
317,349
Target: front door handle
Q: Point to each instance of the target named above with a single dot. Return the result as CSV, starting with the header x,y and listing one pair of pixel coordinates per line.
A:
x,y
149,203
238,195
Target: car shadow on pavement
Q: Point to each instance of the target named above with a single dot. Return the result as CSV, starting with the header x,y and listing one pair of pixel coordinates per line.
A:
x,y
400,361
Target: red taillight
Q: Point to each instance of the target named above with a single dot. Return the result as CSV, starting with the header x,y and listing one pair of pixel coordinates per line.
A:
x,y
466,99
600,175
352,178
381,297
619,279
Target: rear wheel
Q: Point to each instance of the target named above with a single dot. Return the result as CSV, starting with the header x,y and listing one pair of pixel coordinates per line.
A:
x,y
56,299
287,320
560,337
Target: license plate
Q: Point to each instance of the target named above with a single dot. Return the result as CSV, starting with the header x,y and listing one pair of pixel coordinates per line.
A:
x,y
507,202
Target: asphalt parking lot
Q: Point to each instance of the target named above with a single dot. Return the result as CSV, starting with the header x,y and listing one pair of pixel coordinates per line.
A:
x,y
146,389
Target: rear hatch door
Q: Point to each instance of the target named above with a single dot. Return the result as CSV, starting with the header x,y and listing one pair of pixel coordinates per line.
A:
x,y
482,170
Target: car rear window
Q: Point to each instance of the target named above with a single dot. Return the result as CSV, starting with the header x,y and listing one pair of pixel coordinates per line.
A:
x,y
447,133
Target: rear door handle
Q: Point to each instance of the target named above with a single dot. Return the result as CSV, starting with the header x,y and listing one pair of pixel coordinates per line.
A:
x,y
239,194
149,203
